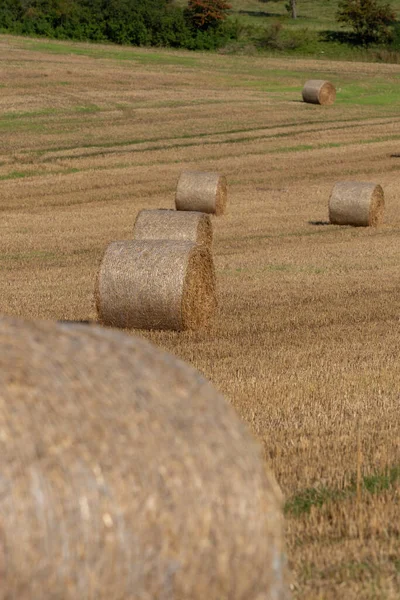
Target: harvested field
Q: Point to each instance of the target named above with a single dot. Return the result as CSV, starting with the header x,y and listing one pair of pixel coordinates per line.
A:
x,y
306,342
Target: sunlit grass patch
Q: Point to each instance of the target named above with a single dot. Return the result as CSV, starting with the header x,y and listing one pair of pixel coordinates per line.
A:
x,y
113,52
376,93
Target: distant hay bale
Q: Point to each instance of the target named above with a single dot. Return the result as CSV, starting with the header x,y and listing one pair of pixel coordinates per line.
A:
x,y
126,476
356,203
203,191
191,226
318,91
156,284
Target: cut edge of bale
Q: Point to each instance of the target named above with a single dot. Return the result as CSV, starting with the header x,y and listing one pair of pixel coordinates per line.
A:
x,y
199,283
377,207
319,91
221,196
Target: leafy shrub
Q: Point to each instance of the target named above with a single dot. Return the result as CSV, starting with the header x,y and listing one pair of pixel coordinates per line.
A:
x,y
276,37
272,36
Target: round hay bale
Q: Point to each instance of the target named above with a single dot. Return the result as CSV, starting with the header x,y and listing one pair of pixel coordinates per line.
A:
x,y
356,203
191,226
156,284
318,91
203,191
126,476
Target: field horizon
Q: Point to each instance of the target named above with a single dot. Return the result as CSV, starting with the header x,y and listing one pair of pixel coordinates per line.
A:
x,y
305,344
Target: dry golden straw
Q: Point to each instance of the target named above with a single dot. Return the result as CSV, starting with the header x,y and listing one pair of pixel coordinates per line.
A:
x,y
201,191
126,476
156,284
174,225
318,91
356,203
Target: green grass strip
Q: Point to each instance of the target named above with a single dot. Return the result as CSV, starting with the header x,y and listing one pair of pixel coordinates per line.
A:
x,y
377,483
23,174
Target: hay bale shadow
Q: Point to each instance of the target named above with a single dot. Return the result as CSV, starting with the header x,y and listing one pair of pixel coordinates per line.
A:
x,y
343,37
319,223
78,322
258,13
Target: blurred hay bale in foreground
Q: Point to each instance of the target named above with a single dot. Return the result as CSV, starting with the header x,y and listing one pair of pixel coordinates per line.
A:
x,y
203,191
356,203
126,476
156,284
176,225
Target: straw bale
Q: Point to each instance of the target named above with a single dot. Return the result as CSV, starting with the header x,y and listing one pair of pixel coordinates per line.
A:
x,y
126,476
356,203
174,225
156,284
203,191
318,91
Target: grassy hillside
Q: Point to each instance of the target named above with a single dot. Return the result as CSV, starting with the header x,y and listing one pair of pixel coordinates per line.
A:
x,y
312,33
317,15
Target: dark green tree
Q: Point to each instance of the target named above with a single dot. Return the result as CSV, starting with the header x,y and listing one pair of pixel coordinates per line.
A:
x,y
370,20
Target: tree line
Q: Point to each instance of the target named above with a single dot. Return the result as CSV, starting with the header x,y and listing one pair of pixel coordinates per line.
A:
x,y
200,25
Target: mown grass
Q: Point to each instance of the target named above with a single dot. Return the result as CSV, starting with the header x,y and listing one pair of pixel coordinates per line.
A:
x,y
114,53
38,120
33,255
37,173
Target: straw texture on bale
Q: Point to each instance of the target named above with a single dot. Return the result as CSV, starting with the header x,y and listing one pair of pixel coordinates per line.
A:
x,y
126,476
356,203
203,191
318,91
174,225
156,284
